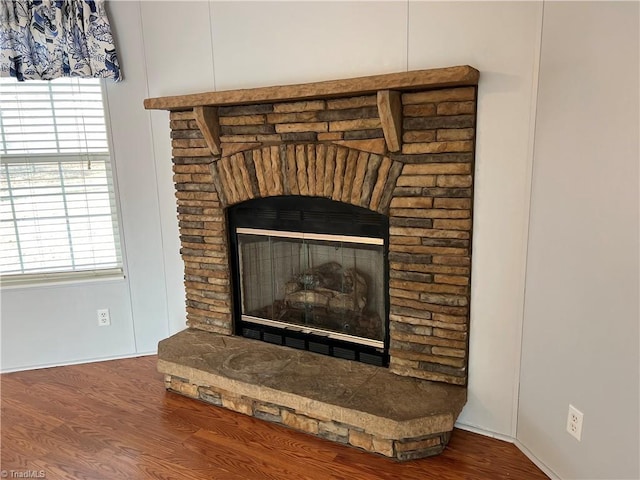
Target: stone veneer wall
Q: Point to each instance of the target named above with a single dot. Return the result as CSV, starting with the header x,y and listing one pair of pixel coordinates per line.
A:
x,y
335,148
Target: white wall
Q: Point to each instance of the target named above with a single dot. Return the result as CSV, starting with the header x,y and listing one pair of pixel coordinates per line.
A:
x,y
272,43
499,39
178,60
137,183
49,325
181,47
580,343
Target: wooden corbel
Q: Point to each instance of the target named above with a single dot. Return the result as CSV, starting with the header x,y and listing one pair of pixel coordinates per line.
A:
x,y
390,112
207,120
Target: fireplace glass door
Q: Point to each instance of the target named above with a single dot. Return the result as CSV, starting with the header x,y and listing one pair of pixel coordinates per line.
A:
x,y
318,284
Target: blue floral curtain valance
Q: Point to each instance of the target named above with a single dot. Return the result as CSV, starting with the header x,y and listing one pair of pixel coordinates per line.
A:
x,y
47,39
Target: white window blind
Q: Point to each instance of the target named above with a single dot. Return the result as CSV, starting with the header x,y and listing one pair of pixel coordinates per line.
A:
x,y
57,200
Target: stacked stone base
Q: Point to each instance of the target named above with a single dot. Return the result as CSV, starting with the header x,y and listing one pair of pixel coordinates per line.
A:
x,y
346,402
401,449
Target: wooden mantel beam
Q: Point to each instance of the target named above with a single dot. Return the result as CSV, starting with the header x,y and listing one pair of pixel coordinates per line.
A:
x,y
418,79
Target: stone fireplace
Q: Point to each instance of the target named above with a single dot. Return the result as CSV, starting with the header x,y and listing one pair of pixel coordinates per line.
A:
x,y
331,218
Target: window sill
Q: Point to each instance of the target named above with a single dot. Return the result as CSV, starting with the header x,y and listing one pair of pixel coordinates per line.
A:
x,y
10,282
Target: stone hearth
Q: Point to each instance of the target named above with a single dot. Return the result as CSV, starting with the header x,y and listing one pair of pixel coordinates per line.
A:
x,y
401,145
342,401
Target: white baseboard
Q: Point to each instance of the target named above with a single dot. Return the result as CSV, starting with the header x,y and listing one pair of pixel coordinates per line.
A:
x,y
77,362
485,432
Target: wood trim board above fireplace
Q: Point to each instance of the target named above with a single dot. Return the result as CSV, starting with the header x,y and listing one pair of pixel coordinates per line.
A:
x,y
400,144
458,76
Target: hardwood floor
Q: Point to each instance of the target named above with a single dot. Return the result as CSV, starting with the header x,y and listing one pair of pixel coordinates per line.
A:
x,y
114,420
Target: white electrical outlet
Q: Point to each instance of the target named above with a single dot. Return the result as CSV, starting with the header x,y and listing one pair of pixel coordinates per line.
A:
x,y
104,319
574,422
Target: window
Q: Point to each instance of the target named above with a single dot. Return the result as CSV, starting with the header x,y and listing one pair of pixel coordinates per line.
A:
x,y
57,201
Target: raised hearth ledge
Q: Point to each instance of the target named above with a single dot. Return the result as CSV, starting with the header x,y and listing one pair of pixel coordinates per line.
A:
x,y
457,76
343,401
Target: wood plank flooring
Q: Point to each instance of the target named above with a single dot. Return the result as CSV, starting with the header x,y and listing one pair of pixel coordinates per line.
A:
x,y
114,420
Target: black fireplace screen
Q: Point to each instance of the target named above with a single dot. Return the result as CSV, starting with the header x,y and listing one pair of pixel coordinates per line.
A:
x,y
311,273
326,284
